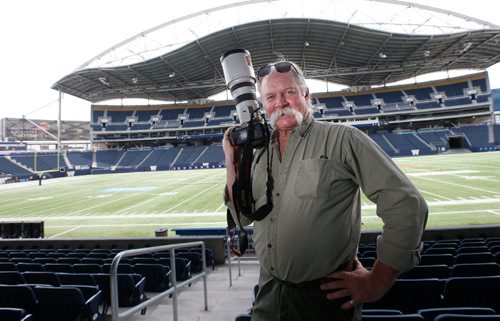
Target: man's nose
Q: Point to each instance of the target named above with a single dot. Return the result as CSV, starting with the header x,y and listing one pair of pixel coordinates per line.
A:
x,y
281,101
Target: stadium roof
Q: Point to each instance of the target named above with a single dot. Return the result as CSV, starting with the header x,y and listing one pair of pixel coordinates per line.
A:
x,y
334,40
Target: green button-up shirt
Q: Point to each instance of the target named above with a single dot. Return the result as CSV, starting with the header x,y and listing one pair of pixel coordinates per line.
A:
x,y
315,223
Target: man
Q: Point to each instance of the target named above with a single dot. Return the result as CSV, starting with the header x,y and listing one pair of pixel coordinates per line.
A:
x,y
307,244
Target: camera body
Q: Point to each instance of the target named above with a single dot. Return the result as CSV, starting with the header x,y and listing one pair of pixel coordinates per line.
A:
x,y
240,80
256,129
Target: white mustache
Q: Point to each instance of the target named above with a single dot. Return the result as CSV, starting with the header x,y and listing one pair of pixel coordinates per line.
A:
x,y
286,111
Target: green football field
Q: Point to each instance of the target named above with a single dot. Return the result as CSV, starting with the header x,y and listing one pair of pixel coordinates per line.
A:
x,y
461,189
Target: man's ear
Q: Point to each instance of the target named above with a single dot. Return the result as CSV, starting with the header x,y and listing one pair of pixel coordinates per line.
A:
x,y
307,94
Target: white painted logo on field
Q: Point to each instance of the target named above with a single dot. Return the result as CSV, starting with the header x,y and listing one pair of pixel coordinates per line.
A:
x,y
41,198
167,194
477,177
101,196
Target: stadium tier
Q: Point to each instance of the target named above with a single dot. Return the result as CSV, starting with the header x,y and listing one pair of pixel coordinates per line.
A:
x,y
396,143
449,96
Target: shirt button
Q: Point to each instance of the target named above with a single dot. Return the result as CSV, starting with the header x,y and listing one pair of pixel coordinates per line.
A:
x,y
269,245
278,194
271,268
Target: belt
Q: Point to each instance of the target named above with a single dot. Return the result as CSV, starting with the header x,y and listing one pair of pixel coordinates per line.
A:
x,y
347,266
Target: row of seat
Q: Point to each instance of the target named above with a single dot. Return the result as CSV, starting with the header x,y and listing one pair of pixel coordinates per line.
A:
x,y
442,271
105,257
82,253
430,314
131,287
410,295
47,303
157,277
447,259
183,267
434,296
441,314
447,250
455,243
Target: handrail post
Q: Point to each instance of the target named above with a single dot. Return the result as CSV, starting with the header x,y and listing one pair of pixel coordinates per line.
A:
x,y
173,276
113,279
204,261
228,254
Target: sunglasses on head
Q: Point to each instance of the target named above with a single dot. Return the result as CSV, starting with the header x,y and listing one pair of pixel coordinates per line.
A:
x,y
281,67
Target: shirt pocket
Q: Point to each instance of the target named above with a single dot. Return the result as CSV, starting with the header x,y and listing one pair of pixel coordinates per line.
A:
x,y
313,179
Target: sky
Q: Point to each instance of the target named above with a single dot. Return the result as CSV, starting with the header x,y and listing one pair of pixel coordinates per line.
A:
x,y
43,41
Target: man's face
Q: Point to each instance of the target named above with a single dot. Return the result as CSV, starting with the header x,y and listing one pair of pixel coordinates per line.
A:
x,y
285,104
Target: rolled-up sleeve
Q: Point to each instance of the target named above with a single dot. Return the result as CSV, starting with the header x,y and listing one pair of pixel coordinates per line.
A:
x,y
401,207
230,205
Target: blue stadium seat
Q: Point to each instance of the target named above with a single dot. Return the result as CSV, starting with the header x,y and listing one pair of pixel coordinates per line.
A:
x,y
46,278
8,266
130,289
481,257
33,267
18,296
157,276
76,279
431,314
435,259
14,314
475,269
466,317
440,271
11,278
410,295
58,267
381,312
66,303
391,317
472,291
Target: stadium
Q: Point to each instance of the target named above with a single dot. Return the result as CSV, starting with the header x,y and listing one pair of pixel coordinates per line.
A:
x,y
146,173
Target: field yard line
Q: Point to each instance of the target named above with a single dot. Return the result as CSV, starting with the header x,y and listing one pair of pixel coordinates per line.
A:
x,y
115,216
447,212
493,212
106,203
460,185
186,200
35,204
65,232
451,202
436,173
435,195
220,207
221,224
51,210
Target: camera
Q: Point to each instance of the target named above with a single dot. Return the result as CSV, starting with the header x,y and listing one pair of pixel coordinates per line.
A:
x,y
240,80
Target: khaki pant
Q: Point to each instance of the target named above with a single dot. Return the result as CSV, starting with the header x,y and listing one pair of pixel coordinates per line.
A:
x,y
279,301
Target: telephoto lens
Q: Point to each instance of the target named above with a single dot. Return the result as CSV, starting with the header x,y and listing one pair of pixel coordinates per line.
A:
x,y
240,80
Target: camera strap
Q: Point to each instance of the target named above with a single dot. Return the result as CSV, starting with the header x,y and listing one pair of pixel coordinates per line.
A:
x,y
243,193
242,187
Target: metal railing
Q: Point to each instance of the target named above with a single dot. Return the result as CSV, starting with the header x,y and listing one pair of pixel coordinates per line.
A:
x,y
231,258
116,315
